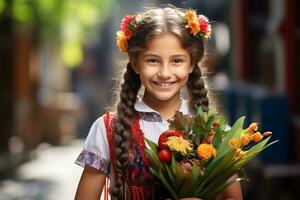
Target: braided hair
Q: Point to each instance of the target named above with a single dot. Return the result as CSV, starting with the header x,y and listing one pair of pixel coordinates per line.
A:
x,y
157,21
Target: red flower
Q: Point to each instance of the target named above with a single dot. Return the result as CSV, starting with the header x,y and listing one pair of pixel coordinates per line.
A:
x,y
203,21
124,25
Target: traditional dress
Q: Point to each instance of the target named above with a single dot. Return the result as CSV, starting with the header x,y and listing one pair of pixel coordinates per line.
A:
x,y
98,150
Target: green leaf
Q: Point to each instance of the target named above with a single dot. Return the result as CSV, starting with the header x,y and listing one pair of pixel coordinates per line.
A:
x,y
172,178
235,132
152,156
154,172
152,145
212,112
167,185
217,139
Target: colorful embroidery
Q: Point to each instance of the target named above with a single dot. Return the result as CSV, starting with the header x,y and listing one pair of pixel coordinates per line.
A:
x,y
93,160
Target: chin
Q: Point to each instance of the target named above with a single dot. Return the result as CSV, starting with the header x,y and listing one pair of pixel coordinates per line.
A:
x,y
164,97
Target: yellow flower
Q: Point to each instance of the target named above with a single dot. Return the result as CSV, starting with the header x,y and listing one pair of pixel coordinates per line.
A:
x,y
206,151
122,41
194,26
257,137
179,144
239,153
235,143
245,139
191,15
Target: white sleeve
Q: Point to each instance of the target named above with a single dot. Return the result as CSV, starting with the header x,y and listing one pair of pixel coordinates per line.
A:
x,y
96,150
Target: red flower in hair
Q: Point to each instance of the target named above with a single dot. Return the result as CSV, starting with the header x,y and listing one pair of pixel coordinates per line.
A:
x,y
203,21
204,26
125,25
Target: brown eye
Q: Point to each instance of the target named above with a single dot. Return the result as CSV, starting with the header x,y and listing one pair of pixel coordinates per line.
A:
x,y
152,61
178,61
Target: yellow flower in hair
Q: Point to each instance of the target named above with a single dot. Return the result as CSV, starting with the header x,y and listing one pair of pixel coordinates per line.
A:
x,y
191,15
179,144
206,151
194,26
122,41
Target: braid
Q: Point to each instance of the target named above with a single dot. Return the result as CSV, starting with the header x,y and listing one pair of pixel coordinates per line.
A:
x,y
125,114
197,89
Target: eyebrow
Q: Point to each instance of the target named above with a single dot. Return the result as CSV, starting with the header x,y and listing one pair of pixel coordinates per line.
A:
x,y
154,55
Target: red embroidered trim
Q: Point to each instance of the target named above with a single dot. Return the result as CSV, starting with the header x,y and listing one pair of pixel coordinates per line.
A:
x,y
138,134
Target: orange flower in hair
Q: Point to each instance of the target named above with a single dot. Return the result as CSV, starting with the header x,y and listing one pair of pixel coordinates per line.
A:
x,y
191,15
122,41
198,25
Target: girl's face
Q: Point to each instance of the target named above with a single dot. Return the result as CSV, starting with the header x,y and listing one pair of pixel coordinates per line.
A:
x,y
163,68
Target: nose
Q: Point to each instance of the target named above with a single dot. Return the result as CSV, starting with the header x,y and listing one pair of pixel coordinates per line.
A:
x,y
165,71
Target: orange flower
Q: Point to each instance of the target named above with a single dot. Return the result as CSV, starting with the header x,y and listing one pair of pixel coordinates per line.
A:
x,y
245,139
252,128
239,153
122,41
206,151
257,137
191,15
234,143
267,133
194,26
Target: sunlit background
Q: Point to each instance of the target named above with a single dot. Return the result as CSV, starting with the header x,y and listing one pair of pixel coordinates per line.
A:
x,y
57,67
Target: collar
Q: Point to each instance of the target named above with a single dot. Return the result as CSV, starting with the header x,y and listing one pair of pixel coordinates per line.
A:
x,y
149,114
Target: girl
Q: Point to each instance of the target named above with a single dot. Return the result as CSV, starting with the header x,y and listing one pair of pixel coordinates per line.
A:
x,y
165,46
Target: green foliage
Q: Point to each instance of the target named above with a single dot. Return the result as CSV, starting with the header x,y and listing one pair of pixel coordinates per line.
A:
x,y
68,23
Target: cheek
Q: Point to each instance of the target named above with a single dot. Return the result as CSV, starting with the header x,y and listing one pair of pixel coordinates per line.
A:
x,y
183,73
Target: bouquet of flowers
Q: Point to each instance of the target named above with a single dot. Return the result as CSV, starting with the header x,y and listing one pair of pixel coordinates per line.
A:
x,y
197,155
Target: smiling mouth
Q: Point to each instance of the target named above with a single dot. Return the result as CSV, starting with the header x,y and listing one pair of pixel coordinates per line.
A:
x,y
165,84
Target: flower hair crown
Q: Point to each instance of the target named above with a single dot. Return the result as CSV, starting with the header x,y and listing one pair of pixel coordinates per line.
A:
x,y
198,25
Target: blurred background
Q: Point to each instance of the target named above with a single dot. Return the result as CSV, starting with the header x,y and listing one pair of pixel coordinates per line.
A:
x,y
57,68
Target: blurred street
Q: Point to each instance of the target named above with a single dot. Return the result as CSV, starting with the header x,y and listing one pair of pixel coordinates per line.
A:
x,y
51,175
60,67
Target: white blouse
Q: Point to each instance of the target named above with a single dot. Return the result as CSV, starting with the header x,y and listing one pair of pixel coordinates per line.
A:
x,y
95,152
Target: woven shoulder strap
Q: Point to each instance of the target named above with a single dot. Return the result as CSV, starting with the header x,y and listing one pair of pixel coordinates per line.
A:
x,y
108,118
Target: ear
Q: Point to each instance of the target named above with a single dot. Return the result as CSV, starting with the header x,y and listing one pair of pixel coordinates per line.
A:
x,y
134,67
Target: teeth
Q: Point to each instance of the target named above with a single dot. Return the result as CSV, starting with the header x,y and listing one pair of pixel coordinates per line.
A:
x,y
164,84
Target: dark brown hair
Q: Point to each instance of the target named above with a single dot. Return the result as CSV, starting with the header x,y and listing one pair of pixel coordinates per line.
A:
x,y
156,21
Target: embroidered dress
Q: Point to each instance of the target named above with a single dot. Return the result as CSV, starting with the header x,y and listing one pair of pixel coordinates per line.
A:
x,y
96,153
